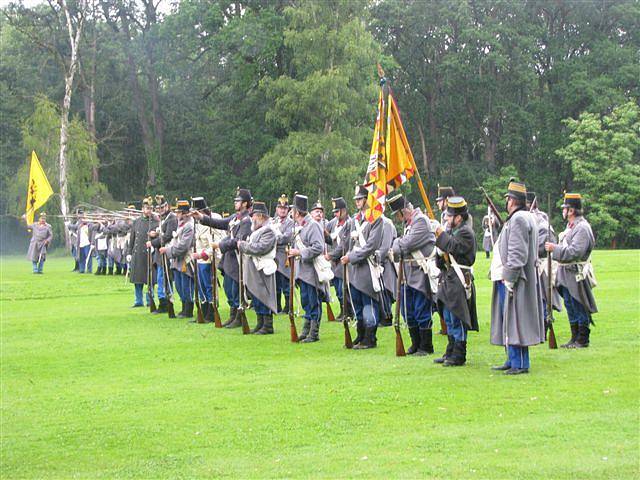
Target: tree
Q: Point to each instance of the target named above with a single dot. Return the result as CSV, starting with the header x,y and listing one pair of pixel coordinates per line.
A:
x,y
604,155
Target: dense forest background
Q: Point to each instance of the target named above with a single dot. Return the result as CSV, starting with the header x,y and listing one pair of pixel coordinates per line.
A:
x,y
198,97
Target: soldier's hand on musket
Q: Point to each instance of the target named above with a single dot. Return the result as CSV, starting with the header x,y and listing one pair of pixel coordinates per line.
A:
x,y
241,244
163,250
215,245
549,247
148,244
196,214
294,252
196,256
327,257
344,260
153,234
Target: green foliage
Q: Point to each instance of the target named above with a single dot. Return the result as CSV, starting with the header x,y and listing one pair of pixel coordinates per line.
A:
x,y
604,154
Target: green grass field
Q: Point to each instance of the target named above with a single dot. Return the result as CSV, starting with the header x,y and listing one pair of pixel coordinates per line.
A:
x,y
94,389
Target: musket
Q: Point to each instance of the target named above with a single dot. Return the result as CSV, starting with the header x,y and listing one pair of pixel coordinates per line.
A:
x,y
152,303
348,342
214,286
400,351
492,206
242,307
167,279
196,279
551,335
330,316
292,288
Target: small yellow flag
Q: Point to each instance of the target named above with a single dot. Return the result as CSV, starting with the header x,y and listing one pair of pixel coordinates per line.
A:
x,y
39,190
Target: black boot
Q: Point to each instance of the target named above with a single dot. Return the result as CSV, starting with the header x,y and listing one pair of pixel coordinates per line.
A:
x,y
118,270
210,318
162,306
459,355
582,340
259,324
415,340
206,312
181,314
305,330
447,352
233,311
188,311
574,335
267,327
360,330
110,270
426,342
98,271
314,333
368,340
237,321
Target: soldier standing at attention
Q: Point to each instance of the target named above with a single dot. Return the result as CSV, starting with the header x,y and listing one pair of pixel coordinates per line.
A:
x,y
137,251
160,238
41,237
575,277
308,245
336,232
517,319
259,263
179,252
414,248
365,284
283,225
456,291
238,227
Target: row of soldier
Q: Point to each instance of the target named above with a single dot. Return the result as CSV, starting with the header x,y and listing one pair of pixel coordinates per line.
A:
x,y
363,261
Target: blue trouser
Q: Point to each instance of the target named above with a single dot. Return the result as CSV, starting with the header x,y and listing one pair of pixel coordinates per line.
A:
x,y
110,261
260,308
282,287
231,290
338,285
310,301
160,281
417,309
575,310
455,327
517,356
184,285
138,292
365,307
102,259
82,259
37,267
205,289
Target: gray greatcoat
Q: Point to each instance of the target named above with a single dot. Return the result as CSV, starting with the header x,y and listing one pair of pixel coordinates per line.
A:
x,y
311,245
238,227
339,239
168,225
523,320
41,237
490,234
417,236
284,234
390,276
76,227
359,271
576,246
542,220
137,248
260,285
180,248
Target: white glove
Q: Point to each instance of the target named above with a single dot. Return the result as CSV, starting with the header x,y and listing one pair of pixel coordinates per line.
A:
x,y
354,235
128,258
509,285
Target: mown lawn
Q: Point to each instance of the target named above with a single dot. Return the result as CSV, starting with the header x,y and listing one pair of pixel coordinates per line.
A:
x,y
93,389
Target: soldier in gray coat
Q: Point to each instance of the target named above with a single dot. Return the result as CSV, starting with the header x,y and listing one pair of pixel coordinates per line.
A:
x,y
389,276
413,248
159,238
259,264
308,245
138,253
336,237
283,225
41,237
575,278
239,228
517,318
491,228
364,282
178,251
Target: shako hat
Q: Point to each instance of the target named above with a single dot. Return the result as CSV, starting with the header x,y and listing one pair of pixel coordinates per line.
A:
x,y
338,204
572,200
361,192
283,201
397,203
243,195
198,203
516,190
456,206
444,193
161,201
147,201
183,206
261,208
317,206
301,203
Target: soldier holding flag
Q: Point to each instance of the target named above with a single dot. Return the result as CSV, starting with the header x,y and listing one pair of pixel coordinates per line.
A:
x,y
41,237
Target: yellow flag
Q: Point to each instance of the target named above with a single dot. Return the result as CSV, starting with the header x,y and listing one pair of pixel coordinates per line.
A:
x,y
39,189
400,163
376,178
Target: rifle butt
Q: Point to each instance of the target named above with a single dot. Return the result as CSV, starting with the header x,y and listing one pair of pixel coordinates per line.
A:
x,y
443,326
245,324
217,322
152,304
200,317
330,316
348,342
553,344
400,351
294,332
170,310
